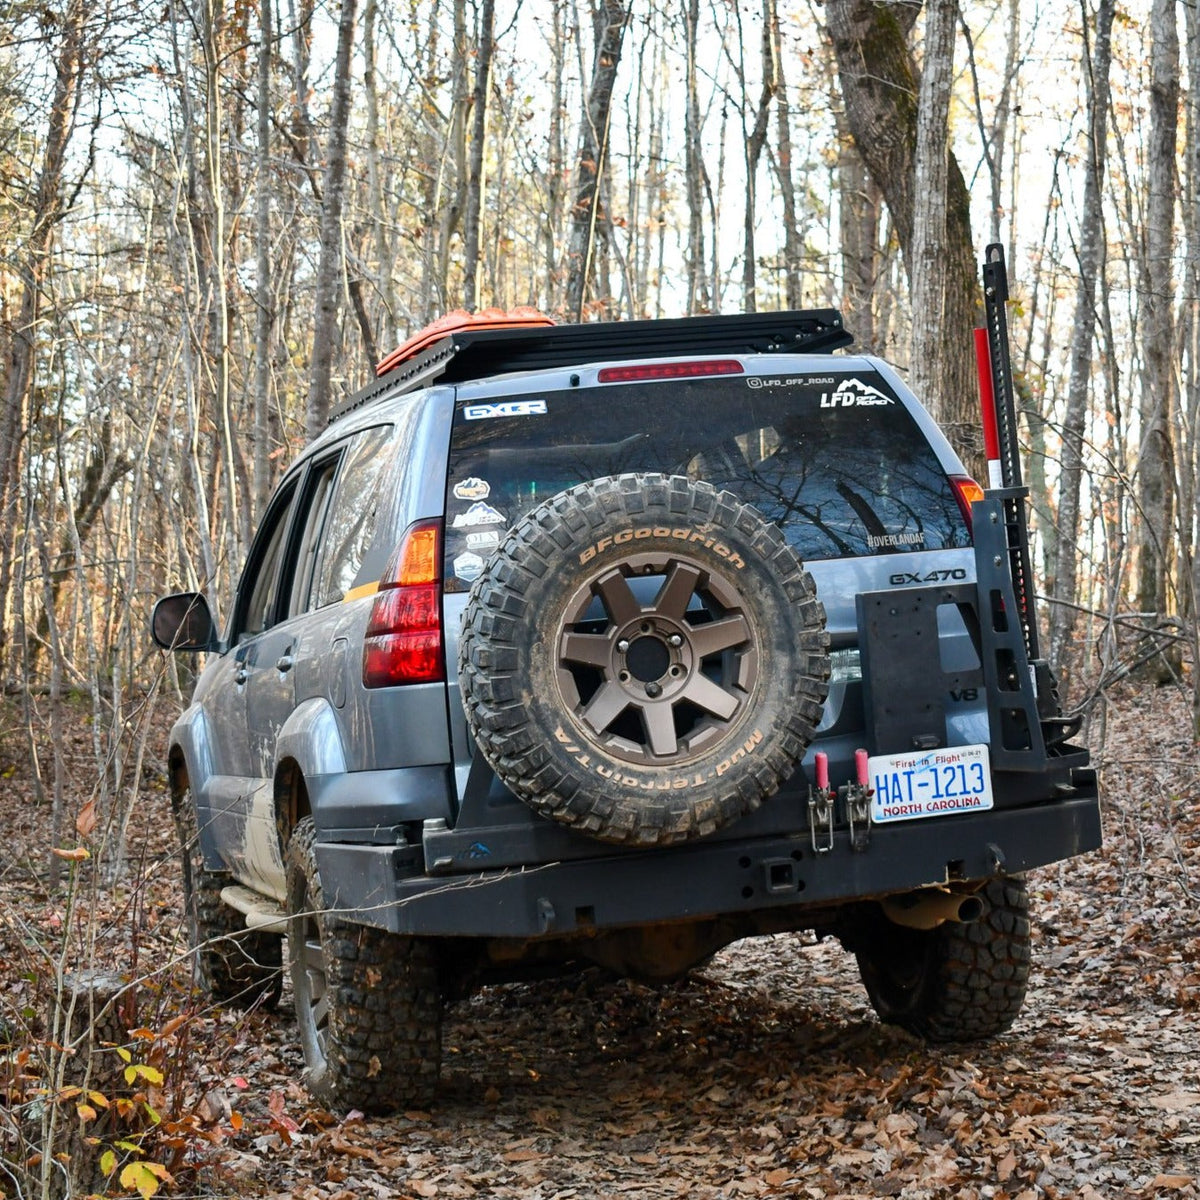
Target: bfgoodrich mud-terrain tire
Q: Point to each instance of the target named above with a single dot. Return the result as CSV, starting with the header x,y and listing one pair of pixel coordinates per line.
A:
x,y
644,659
368,1002
233,964
956,982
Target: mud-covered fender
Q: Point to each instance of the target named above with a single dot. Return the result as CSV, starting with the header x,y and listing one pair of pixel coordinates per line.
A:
x,y
191,745
312,739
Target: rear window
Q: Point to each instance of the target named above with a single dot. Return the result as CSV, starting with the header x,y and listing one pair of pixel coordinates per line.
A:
x,y
836,461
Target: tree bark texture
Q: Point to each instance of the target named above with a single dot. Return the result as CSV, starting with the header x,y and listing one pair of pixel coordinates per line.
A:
x,y
1156,456
593,146
31,264
880,82
475,180
263,294
699,299
927,283
1091,266
328,289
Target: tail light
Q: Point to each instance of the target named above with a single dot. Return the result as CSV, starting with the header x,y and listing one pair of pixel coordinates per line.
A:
x,y
966,492
404,635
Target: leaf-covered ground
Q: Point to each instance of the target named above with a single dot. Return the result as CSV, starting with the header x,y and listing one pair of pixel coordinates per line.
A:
x,y
764,1074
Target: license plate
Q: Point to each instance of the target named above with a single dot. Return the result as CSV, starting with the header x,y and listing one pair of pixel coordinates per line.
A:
x,y
929,783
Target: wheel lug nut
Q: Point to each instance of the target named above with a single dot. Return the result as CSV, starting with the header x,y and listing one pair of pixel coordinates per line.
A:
x,y
623,645
653,690
675,640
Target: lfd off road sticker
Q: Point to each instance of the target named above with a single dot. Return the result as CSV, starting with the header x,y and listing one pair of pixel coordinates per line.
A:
x,y
853,393
472,488
690,535
657,782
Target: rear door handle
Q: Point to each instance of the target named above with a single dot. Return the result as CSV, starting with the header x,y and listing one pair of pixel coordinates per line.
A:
x,y
285,664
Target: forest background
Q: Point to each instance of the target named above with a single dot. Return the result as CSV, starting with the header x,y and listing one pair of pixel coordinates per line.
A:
x,y
215,217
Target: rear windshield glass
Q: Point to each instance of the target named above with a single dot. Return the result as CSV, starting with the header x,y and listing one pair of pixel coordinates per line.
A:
x,y
836,462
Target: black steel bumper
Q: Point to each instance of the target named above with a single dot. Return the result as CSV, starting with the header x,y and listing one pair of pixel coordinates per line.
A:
x,y
376,886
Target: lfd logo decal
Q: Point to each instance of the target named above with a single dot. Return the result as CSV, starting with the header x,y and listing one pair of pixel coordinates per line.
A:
x,y
664,532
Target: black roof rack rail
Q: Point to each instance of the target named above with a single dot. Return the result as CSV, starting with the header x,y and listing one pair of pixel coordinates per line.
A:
x,y
472,353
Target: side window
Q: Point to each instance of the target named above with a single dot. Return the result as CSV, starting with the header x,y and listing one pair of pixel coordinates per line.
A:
x,y
351,520
257,595
318,490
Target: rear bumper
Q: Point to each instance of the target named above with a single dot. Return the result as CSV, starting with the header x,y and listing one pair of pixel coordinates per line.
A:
x,y
707,879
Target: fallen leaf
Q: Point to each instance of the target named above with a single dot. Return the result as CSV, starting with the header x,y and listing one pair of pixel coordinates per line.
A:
x,y
86,821
1170,1182
1176,1101
73,854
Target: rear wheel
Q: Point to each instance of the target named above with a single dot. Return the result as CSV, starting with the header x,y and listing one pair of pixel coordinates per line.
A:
x,y
956,982
368,1002
233,964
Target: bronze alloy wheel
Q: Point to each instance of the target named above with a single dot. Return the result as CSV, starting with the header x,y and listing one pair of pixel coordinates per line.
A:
x,y
656,683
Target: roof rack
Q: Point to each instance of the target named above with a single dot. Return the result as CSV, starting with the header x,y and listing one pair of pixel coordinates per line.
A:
x,y
495,343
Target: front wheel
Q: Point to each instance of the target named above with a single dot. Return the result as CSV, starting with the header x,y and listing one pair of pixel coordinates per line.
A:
x,y
233,964
956,982
368,1002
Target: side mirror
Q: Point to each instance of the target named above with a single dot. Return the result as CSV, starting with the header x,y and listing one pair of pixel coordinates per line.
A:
x,y
183,622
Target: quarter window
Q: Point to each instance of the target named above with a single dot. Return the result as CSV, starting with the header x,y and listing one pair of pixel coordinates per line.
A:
x,y
350,525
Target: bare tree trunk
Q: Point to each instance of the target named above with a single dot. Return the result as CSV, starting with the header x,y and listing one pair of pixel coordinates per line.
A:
x,y
384,253
475,181
695,175
264,315
1091,265
31,263
593,148
328,283
879,83
859,214
793,244
454,158
556,155
214,269
755,139
1189,498
927,281
1156,458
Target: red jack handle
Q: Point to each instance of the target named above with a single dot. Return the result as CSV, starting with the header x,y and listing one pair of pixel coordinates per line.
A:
x,y
987,404
860,765
822,761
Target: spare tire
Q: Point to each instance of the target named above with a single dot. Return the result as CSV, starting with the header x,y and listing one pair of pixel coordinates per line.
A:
x,y
644,659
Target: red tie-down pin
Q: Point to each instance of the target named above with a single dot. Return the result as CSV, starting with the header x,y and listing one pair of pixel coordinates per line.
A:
x,y
858,803
820,807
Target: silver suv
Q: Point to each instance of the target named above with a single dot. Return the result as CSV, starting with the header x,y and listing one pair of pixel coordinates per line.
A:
x,y
613,644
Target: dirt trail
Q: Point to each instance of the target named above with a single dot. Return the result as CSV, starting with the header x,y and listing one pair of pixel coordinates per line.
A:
x,y
765,1073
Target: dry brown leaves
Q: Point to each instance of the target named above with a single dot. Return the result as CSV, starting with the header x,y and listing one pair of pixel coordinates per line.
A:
x,y
765,1074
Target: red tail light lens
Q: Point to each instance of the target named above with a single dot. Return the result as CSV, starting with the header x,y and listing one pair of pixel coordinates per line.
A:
x,y
966,492
404,634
